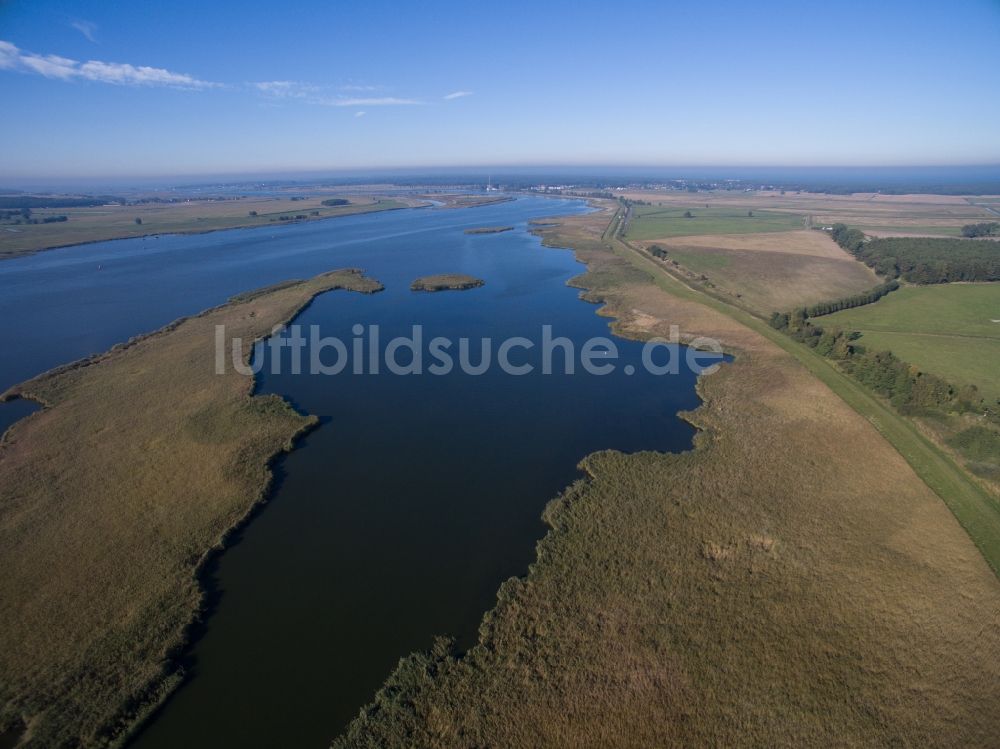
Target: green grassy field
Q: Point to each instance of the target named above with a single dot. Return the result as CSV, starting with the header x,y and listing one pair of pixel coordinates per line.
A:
x,y
947,330
701,262
659,222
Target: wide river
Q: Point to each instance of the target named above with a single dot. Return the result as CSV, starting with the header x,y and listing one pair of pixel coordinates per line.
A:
x,y
397,519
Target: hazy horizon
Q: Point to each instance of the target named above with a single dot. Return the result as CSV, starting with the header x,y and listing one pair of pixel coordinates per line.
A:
x,y
466,172
964,178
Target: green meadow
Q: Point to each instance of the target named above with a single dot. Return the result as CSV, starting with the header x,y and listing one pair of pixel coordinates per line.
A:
x,y
660,222
946,329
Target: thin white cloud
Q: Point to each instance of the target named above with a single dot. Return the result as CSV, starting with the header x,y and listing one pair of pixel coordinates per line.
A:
x,y
51,66
456,95
313,94
287,89
379,101
360,114
8,55
130,75
87,28
117,73
124,74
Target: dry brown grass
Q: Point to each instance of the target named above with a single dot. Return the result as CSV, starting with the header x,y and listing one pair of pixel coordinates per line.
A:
x,y
807,243
111,498
769,272
791,582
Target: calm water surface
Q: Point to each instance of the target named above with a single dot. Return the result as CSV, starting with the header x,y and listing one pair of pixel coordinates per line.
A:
x,y
398,517
15,410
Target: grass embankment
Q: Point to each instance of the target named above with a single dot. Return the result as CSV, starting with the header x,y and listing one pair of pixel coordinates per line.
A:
x,y
446,282
791,582
489,230
97,224
952,331
111,498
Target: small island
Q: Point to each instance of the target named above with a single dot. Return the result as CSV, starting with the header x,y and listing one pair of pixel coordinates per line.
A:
x,y
446,282
489,230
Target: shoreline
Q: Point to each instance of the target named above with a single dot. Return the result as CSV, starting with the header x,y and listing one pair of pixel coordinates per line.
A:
x,y
426,204
665,539
132,711
176,674
702,437
14,254
16,391
446,282
489,230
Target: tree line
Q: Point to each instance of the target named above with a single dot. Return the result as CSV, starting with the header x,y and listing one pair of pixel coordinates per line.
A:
x,y
985,229
910,390
38,201
922,260
23,216
855,300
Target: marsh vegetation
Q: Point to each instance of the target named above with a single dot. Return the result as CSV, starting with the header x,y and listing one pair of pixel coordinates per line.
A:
x,y
146,452
489,230
446,282
720,597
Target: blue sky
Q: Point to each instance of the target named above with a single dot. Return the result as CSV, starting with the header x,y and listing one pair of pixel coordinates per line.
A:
x,y
95,89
